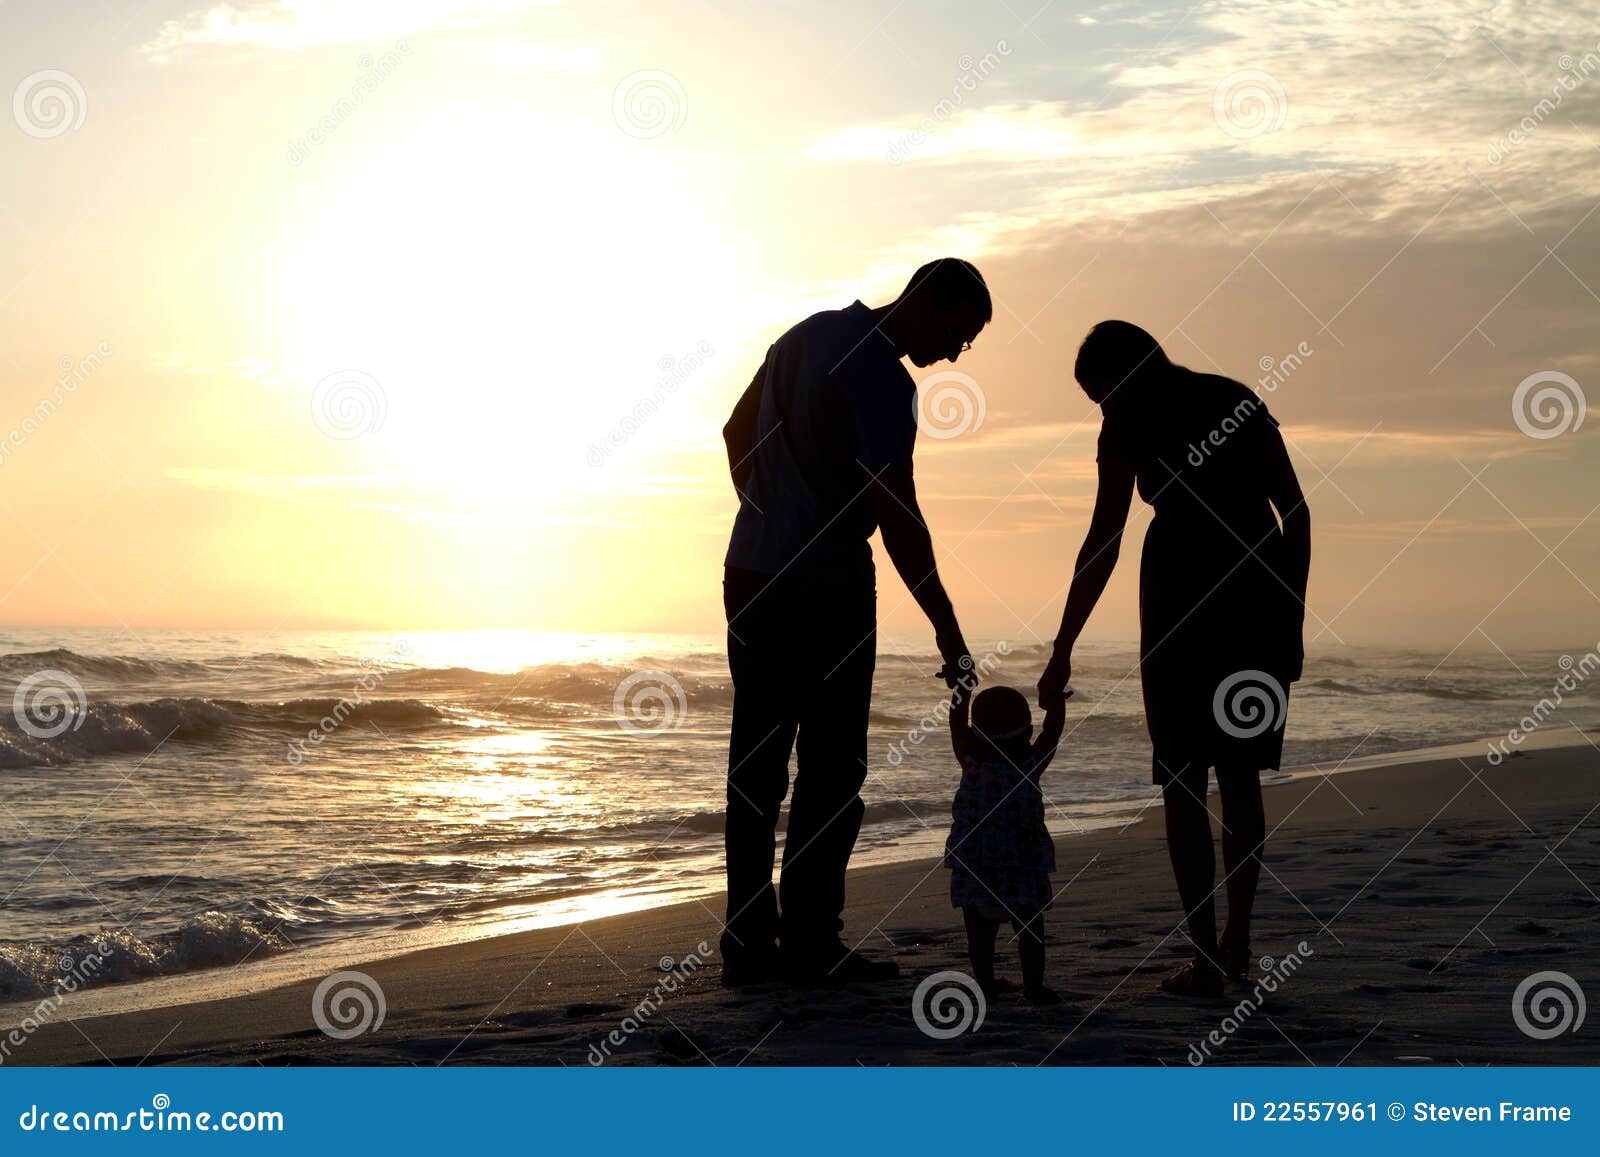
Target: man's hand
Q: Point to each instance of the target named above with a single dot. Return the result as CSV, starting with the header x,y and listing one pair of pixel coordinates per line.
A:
x,y
1053,683
957,659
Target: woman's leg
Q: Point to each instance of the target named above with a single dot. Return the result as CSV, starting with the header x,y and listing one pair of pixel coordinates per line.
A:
x,y
1194,863
1244,832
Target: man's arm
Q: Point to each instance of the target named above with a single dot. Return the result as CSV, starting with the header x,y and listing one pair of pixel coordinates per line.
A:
x,y
893,494
740,432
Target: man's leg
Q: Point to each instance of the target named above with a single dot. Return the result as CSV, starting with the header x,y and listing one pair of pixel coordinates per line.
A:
x,y
831,764
764,722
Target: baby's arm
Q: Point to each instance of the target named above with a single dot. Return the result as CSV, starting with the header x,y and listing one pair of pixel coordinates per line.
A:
x,y
1044,747
960,728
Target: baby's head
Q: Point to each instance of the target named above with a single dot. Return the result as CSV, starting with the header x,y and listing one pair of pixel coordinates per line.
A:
x,y
1001,716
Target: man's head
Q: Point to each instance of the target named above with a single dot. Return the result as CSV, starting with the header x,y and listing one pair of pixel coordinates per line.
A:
x,y
943,309
1116,353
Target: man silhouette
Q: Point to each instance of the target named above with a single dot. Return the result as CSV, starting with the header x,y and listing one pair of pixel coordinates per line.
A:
x,y
820,448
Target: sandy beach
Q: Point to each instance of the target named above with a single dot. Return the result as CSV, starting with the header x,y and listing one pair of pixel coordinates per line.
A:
x,y
1401,908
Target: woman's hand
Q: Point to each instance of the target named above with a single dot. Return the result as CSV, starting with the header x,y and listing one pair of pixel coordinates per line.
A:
x,y
1053,683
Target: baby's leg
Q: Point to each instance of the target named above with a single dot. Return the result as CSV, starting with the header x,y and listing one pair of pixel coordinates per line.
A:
x,y
980,948
1030,940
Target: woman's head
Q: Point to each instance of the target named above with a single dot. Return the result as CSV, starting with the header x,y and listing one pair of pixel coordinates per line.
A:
x,y
1001,715
1115,353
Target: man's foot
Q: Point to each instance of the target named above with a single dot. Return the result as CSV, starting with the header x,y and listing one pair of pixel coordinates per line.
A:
x,y
1193,979
747,968
1040,994
835,964
995,987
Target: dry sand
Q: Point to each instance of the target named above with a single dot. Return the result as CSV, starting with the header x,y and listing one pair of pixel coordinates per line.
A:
x,y
1423,892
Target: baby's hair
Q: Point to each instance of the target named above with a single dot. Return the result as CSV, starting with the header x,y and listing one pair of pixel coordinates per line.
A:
x,y
999,712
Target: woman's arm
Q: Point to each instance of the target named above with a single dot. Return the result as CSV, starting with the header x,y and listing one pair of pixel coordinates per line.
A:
x,y
1283,489
1096,560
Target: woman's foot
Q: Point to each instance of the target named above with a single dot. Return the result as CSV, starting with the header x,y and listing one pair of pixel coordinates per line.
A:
x,y
1236,962
1039,994
1194,979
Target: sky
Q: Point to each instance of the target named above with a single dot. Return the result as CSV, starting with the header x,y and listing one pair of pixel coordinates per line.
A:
x,y
417,315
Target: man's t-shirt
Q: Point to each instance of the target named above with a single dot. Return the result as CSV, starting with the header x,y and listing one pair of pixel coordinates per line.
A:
x,y
837,407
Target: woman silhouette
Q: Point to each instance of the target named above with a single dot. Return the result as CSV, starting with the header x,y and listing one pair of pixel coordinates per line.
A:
x,y
1221,603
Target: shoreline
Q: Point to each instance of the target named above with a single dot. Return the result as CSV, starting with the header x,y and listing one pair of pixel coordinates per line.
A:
x,y
534,996
248,977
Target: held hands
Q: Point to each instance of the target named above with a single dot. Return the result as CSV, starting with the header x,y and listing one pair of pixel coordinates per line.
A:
x,y
1053,683
958,664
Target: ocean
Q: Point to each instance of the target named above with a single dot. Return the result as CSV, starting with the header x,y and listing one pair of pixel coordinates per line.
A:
x,y
186,801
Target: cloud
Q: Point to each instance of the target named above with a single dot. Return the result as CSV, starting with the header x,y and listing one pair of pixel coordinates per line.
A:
x,y
1273,98
305,23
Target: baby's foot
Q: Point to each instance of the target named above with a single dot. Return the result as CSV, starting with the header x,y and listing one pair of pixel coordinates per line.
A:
x,y
1039,994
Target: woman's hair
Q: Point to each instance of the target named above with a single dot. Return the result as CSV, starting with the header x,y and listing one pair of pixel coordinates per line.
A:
x,y
999,713
1115,351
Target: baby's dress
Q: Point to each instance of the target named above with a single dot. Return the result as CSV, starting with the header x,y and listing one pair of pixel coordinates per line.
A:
x,y
1000,853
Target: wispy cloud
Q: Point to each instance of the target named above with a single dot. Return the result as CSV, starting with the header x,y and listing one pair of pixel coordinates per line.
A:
x,y
287,24
1258,97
